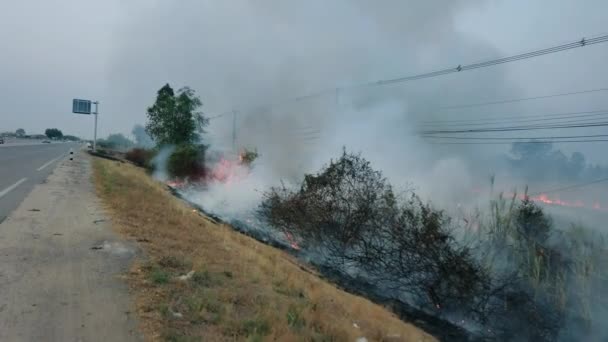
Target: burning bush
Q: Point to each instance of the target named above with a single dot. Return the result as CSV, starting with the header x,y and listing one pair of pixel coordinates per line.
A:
x,y
247,157
141,157
349,212
510,280
187,161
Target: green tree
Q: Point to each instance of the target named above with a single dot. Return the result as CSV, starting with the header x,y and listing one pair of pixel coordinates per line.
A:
x,y
53,133
20,132
118,140
174,119
142,138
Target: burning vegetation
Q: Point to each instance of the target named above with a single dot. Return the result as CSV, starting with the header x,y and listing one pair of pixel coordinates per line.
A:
x,y
512,278
508,273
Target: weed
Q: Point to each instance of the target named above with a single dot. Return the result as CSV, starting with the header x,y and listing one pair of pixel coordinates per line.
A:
x,y
205,279
254,327
281,288
294,319
172,261
176,336
159,276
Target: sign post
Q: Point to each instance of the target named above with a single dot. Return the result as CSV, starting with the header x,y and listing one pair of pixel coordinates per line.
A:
x,y
84,107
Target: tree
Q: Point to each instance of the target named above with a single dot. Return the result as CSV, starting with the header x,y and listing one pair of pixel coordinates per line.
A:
x,y
115,141
20,132
142,138
577,164
71,138
53,133
174,119
119,140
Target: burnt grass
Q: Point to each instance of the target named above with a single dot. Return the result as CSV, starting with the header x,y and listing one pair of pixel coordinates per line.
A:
x,y
440,328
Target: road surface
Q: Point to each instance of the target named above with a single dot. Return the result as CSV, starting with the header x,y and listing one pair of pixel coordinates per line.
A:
x,y
61,265
24,165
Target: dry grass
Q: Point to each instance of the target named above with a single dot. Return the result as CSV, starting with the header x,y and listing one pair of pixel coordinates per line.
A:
x,y
241,290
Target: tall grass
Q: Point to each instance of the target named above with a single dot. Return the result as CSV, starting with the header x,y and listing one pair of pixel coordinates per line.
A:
x,y
564,272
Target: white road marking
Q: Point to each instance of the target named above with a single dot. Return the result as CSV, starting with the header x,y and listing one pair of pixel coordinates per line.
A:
x,y
12,187
48,163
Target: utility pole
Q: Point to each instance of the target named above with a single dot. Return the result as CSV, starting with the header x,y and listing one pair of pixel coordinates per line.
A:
x,y
234,112
96,103
337,99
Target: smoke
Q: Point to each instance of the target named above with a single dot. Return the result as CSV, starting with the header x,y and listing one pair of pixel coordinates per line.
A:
x,y
255,57
160,163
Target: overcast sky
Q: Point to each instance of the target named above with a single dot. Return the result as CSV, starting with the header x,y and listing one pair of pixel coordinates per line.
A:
x,y
245,53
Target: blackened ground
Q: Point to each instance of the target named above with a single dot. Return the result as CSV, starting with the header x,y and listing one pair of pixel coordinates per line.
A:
x,y
433,325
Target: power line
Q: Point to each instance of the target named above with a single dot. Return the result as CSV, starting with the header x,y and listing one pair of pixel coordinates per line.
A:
x,y
563,47
459,68
511,142
561,120
518,128
527,118
523,99
517,138
523,125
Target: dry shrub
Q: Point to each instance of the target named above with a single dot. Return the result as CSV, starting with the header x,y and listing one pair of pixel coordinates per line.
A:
x,y
349,214
141,157
349,219
187,161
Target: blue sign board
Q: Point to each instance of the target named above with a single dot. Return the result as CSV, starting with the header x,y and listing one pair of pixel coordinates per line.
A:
x,y
81,106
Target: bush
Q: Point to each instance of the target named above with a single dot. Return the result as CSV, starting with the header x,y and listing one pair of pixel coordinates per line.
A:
x,y
509,278
247,157
187,161
141,157
349,213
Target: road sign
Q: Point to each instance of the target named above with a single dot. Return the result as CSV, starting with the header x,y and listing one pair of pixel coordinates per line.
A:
x,y
81,106
84,107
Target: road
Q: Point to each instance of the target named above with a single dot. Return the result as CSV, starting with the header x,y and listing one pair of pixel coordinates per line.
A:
x,y
61,265
23,166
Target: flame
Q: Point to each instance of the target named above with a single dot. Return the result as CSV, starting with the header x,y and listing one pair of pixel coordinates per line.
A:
x,y
553,200
292,241
176,183
225,171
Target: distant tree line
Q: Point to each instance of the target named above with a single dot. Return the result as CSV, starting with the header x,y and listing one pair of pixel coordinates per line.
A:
x,y
541,161
53,133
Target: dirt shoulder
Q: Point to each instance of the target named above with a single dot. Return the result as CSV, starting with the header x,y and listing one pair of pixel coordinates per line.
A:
x,y
203,281
61,265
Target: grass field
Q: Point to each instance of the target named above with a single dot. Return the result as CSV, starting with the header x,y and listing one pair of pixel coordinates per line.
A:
x,y
232,288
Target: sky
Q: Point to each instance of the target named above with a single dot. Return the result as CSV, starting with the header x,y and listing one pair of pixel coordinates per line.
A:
x,y
244,54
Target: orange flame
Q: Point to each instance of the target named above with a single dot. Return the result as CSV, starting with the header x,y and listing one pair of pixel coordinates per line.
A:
x,y
292,241
555,200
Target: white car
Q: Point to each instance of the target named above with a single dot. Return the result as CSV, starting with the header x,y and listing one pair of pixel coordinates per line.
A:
x,y
89,146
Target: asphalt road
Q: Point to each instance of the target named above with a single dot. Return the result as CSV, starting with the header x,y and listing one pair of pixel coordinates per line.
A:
x,y
23,166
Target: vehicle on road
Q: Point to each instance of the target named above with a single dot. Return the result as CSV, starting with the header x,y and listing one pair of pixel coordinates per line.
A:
x,y
46,141
1,141
89,146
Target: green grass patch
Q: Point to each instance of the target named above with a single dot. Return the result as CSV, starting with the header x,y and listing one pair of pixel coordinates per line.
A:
x,y
159,276
255,327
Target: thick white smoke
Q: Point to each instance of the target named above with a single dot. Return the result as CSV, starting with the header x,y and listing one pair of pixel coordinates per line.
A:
x,y
248,60
255,57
